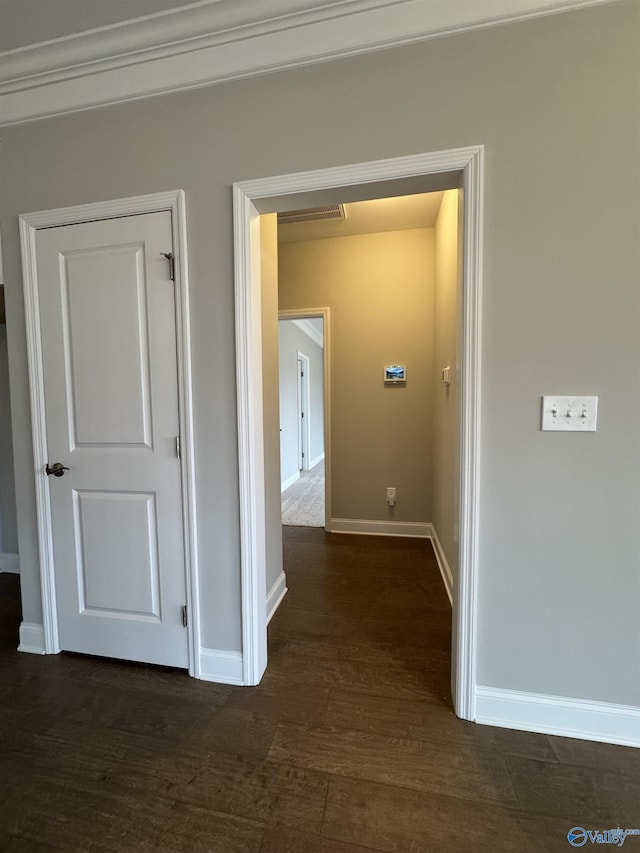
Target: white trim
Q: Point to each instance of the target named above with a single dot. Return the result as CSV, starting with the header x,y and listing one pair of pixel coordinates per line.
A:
x,y
221,667
275,595
248,312
304,405
443,564
187,446
309,330
469,163
210,42
28,230
32,638
172,201
10,563
316,461
290,481
362,527
466,592
559,715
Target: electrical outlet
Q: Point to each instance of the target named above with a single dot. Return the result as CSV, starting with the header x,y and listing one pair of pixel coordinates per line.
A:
x,y
391,495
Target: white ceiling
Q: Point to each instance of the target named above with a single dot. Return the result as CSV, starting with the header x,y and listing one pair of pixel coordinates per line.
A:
x,y
317,323
370,217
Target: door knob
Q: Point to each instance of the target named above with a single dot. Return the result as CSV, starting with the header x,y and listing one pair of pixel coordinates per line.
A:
x,y
57,469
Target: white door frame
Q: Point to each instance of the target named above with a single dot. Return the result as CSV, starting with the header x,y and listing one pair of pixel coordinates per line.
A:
x,y
30,223
325,315
467,164
303,406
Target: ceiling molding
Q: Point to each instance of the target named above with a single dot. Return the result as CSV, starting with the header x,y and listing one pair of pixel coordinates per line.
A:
x,y
213,41
310,331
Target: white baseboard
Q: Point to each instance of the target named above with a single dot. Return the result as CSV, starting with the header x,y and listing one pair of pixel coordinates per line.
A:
x,y
275,595
412,529
32,638
443,565
221,667
558,715
316,461
10,563
292,479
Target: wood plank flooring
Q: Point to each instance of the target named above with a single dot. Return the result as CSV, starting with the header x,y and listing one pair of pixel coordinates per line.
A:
x,y
349,744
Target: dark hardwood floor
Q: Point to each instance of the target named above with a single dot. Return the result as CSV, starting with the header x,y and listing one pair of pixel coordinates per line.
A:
x,y
349,744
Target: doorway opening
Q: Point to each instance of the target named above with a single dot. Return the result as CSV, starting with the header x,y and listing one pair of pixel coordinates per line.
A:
x,y
454,169
304,466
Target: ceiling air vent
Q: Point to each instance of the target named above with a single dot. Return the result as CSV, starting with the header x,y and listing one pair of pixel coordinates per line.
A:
x,y
312,214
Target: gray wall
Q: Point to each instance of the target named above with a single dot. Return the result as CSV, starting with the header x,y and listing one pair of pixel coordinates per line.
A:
x,y
8,523
379,288
292,341
555,102
25,22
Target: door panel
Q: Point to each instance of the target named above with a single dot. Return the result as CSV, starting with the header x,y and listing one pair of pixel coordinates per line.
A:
x,y
117,576
111,402
121,412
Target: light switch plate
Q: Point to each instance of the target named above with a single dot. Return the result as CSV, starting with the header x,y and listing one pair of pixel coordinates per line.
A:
x,y
569,414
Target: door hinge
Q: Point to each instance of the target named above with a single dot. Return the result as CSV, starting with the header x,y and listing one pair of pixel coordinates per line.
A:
x,y
184,616
178,448
172,265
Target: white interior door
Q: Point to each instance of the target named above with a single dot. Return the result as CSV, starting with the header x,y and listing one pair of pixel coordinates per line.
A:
x,y
107,315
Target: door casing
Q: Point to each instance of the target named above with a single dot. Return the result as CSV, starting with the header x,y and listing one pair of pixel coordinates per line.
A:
x,y
304,441
173,202
462,168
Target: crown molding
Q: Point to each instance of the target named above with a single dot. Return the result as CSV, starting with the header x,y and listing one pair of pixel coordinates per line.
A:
x,y
213,41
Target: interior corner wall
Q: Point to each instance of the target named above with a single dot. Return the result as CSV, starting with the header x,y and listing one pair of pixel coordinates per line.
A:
x,y
379,288
293,340
446,315
270,395
8,522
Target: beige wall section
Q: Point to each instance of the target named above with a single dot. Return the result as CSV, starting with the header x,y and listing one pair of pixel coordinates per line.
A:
x,y
379,288
555,101
446,398
271,398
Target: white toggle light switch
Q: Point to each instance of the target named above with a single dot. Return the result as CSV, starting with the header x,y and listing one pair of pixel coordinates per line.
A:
x,y
569,414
